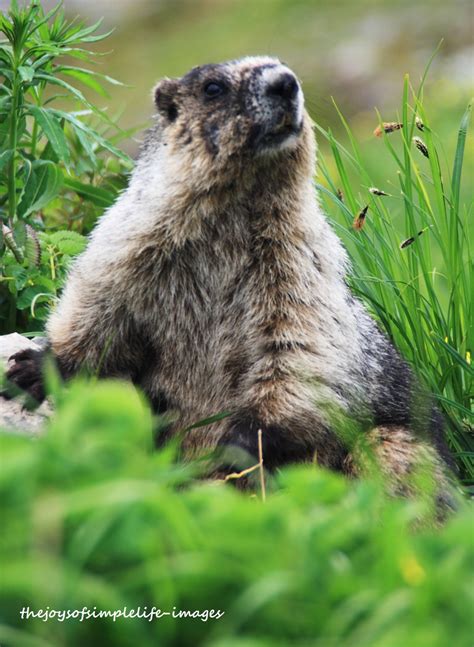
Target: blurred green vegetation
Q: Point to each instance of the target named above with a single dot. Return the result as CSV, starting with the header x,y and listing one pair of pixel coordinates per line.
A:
x,y
92,517
354,51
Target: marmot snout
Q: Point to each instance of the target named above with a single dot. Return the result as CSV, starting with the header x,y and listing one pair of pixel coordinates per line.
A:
x,y
238,108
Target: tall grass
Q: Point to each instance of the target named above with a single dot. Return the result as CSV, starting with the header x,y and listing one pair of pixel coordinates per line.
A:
x,y
412,255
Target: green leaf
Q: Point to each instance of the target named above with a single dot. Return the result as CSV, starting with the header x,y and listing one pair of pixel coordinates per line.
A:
x,y
48,153
5,56
4,131
88,77
79,33
19,233
48,284
5,157
87,145
52,129
26,73
82,130
68,242
458,159
27,296
209,421
98,196
44,183
20,275
49,78
455,355
44,19
78,94
5,104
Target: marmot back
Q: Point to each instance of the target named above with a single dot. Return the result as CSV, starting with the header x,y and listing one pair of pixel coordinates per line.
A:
x,y
216,284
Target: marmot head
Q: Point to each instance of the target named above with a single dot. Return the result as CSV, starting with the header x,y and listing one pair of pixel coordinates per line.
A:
x,y
228,116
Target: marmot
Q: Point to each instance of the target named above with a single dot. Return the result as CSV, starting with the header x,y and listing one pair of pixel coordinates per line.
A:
x,y
216,284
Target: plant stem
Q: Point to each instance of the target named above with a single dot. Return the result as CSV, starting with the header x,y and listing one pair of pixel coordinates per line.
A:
x,y
34,132
11,244
13,145
12,170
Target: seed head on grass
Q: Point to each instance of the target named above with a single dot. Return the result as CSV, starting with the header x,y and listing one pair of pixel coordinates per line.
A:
x,y
421,146
359,220
419,124
411,240
376,191
387,127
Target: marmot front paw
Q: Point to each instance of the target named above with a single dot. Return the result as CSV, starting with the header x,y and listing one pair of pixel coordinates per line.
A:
x,y
26,374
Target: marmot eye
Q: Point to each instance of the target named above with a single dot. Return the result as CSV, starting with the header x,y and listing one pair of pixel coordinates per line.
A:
x,y
213,89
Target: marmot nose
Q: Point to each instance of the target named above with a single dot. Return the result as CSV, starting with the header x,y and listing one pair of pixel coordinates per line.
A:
x,y
285,87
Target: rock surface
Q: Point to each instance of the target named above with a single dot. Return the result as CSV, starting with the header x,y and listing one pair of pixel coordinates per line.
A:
x,y
13,417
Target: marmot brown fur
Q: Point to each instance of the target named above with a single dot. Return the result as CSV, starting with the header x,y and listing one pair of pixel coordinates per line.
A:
x,y
216,284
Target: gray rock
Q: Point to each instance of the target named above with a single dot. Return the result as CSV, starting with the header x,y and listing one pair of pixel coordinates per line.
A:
x,y
14,342
13,416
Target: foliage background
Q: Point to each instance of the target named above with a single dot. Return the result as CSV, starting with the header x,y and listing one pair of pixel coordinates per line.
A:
x,y
356,52
91,517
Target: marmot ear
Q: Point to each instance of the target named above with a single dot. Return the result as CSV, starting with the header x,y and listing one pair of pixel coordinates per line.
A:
x,y
165,98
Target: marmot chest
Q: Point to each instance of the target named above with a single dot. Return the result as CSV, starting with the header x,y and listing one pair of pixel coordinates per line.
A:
x,y
222,301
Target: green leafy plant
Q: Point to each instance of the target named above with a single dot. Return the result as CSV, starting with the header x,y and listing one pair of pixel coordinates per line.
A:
x,y
58,168
92,517
411,249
